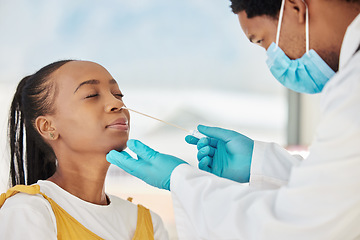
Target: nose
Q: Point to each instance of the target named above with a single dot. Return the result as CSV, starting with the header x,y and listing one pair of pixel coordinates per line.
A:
x,y
114,105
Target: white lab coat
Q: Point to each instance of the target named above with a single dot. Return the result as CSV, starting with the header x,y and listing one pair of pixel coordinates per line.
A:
x,y
288,198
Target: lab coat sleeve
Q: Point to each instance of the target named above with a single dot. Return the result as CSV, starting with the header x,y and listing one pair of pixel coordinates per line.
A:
x,y
320,200
271,165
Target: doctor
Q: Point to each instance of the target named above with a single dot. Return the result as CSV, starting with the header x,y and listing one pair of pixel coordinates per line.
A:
x,y
287,197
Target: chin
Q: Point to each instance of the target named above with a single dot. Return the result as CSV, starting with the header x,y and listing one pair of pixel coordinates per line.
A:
x,y
118,147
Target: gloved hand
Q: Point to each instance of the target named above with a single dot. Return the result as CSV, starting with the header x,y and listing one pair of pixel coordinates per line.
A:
x,y
151,166
224,153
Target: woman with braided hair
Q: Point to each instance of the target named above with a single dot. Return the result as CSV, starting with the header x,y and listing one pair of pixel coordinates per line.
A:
x,y
64,119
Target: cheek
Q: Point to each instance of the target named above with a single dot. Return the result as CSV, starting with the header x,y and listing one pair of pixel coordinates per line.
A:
x,y
75,127
293,40
84,130
270,35
74,122
293,46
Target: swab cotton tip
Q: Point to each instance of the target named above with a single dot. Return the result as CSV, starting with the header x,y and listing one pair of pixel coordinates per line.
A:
x,y
197,134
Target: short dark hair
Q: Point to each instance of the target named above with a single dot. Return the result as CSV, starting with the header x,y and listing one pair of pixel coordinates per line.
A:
x,y
269,8
255,8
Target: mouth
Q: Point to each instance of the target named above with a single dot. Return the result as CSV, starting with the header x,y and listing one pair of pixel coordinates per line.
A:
x,y
119,124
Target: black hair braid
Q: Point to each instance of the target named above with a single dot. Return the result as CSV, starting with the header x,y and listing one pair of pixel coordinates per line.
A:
x,y
16,135
32,159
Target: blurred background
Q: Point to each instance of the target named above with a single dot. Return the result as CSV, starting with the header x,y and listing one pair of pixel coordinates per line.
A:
x,y
186,62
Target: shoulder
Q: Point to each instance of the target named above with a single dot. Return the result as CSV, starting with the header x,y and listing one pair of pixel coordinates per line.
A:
x,y
122,203
157,221
123,209
338,132
32,212
27,201
132,210
130,207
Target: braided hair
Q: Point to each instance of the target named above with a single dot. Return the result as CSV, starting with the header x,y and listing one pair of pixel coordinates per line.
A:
x,y
31,158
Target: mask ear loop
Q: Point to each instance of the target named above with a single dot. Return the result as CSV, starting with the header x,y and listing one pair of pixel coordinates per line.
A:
x,y
281,13
307,29
279,24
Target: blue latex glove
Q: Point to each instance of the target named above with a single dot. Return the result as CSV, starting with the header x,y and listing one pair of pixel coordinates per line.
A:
x,y
151,166
224,153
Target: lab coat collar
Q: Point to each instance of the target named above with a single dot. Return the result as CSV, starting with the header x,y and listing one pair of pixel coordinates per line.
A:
x,y
351,42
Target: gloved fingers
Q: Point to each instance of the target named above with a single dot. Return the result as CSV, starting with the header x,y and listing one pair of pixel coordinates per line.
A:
x,y
143,151
220,159
122,160
191,140
207,142
205,164
213,142
202,143
218,133
205,151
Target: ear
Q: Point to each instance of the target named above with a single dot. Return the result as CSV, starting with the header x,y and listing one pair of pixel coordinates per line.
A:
x,y
298,7
45,126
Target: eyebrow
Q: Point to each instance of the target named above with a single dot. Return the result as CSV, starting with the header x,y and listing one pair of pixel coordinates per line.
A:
x,y
94,82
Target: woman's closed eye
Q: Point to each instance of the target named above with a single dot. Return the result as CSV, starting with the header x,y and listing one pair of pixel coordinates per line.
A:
x,y
92,95
118,95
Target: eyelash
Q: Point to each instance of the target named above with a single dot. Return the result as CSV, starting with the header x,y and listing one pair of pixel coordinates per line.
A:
x,y
95,95
119,95
259,41
92,95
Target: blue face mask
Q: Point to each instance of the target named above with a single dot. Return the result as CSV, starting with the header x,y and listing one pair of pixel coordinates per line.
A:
x,y
308,74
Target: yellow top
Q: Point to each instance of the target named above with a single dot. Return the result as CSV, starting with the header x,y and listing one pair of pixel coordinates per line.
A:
x,y
69,228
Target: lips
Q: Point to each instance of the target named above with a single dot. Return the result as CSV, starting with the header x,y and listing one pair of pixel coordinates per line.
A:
x,y
119,124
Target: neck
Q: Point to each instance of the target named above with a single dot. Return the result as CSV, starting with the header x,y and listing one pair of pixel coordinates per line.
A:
x,y
345,13
83,178
329,21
